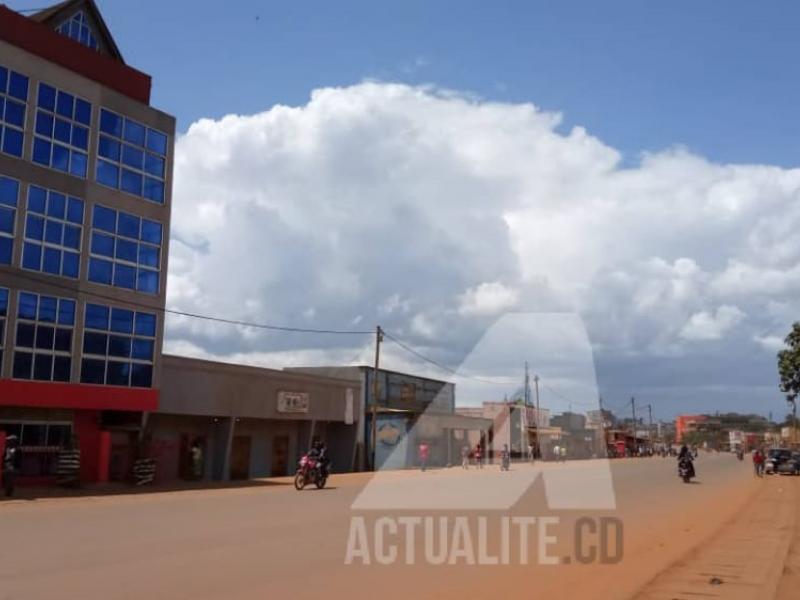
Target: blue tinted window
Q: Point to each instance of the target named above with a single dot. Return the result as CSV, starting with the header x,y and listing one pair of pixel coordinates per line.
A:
x,y
145,324
79,30
104,219
9,191
154,190
28,305
157,142
52,233
128,226
119,351
102,245
56,205
45,124
126,250
15,114
133,244
47,97
121,320
108,148
32,256
136,151
97,316
18,86
42,151
13,105
147,281
75,211
45,329
3,302
83,111
65,105
6,250
134,132
34,228
100,271
124,276
62,134
110,123
107,174
51,261
12,142
131,182
7,221
151,231
70,265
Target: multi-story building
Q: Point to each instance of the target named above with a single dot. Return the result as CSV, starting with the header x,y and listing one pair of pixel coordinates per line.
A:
x,y
85,180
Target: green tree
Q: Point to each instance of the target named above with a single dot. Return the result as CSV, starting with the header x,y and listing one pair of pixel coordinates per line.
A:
x,y
789,365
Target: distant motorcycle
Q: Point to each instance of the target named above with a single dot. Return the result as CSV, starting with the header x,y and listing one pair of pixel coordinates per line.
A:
x,y
309,470
686,470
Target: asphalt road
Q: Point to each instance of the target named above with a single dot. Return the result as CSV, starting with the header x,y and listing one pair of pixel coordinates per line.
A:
x,y
276,542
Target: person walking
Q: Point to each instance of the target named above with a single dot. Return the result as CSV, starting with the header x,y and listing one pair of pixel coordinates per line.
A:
x,y
563,454
479,456
557,452
423,456
465,456
758,463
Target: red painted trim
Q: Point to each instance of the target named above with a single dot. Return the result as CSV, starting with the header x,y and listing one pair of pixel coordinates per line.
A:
x,y
46,43
76,396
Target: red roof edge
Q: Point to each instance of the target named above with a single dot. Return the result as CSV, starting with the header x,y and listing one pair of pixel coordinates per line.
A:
x,y
46,43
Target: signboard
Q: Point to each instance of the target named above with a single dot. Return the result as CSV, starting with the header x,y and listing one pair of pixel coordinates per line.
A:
x,y
736,437
292,402
349,417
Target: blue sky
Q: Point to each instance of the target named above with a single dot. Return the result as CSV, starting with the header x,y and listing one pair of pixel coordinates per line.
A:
x,y
687,316
717,77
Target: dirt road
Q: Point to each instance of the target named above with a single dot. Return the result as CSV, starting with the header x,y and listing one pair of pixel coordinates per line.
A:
x,y
277,542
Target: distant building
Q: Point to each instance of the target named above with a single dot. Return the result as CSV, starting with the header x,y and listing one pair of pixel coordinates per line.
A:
x,y
686,424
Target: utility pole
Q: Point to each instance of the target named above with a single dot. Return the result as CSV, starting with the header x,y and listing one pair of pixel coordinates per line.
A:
x,y
375,390
603,429
527,387
650,426
538,449
635,445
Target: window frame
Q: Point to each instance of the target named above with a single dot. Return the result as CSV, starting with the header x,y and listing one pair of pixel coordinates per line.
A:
x,y
119,164
4,325
115,261
14,210
37,322
109,332
64,222
5,97
79,18
53,141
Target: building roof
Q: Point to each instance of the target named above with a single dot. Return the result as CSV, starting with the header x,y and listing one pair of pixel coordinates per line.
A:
x,y
58,13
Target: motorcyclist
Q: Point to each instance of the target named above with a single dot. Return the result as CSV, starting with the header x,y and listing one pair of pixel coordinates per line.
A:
x,y
686,455
12,459
319,452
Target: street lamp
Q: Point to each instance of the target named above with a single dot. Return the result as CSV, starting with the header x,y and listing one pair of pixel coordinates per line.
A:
x,y
793,402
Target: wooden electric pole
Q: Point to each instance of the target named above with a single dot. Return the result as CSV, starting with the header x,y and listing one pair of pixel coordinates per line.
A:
x,y
538,448
635,438
375,390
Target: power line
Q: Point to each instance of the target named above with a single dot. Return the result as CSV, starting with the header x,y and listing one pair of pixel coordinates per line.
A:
x,y
181,313
440,365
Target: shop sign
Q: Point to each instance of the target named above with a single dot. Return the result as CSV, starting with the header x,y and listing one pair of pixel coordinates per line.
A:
x,y
292,402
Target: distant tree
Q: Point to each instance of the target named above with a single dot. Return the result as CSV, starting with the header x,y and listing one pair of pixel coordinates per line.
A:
x,y
789,365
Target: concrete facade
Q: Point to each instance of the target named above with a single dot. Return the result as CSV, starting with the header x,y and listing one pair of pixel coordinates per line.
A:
x,y
32,48
237,413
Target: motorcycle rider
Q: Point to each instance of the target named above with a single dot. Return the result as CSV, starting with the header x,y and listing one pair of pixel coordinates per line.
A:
x,y
319,452
686,455
11,464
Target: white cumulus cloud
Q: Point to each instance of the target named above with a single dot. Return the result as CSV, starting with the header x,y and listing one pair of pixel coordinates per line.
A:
x,y
429,212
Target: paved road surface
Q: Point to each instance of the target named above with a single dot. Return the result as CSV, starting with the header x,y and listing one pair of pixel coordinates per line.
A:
x,y
279,543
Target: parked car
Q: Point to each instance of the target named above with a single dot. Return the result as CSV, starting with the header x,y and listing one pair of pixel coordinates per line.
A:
x,y
775,458
790,466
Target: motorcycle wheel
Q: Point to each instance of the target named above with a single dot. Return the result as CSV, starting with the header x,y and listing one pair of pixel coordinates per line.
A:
x,y
320,482
686,479
299,481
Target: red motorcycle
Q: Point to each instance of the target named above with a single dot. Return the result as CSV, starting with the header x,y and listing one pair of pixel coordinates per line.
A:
x,y
309,470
